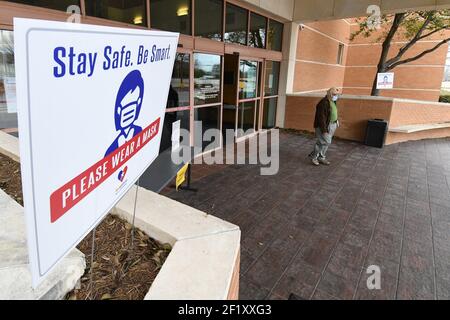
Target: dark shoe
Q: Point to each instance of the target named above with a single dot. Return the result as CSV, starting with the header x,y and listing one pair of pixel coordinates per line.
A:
x,y
324,161
294,297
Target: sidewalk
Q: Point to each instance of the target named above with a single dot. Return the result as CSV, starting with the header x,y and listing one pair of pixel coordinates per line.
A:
x,y
313,231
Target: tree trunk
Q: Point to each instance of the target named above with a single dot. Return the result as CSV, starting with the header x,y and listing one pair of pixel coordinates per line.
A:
x,y
385,50
381,68
375,91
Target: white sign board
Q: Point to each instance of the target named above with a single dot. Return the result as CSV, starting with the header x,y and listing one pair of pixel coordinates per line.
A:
x,y
91,103
385,80
176,134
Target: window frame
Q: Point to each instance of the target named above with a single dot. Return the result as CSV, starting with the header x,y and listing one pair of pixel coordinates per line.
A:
x,y
191,20
193,26
264,97
145,26
265,29
340,54
281,35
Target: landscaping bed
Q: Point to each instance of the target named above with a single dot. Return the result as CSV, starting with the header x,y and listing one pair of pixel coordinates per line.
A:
x,y
10,179
121,270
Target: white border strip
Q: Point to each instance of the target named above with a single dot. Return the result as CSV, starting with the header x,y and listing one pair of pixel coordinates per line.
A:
x,y
401,89
403,66
313,91
323,34
378,98
321,63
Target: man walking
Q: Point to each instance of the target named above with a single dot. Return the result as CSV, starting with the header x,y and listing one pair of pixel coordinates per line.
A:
x,y
325,122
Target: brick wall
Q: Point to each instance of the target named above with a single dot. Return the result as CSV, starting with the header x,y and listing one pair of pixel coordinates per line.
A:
x,y
353,114
317,69
317,66
355,111
417,112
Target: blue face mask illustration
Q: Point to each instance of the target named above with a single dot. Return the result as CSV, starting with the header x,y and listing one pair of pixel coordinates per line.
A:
x,y
128,115
127,109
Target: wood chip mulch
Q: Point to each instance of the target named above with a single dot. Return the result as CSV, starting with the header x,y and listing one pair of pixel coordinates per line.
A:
x,y
120,271
10,179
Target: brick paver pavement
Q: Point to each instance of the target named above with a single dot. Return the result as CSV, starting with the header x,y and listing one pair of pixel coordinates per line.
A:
x,y
314,231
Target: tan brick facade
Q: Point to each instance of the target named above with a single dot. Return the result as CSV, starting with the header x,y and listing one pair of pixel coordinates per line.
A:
x,y
355,111
353,114
317,66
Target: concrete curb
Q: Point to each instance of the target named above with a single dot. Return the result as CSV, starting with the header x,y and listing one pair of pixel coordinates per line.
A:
x,y
204,262
9,146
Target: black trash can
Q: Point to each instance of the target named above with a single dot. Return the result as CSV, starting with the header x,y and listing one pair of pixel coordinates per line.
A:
x,y
376,133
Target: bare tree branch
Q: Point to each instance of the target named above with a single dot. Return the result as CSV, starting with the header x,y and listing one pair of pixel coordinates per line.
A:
x,y
433,32
413,41
417,57
398,19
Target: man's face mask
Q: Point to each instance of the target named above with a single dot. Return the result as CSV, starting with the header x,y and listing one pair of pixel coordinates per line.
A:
x,y
128,112
335,98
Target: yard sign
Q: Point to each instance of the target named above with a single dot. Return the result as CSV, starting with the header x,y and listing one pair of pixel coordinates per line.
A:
x,y
91,104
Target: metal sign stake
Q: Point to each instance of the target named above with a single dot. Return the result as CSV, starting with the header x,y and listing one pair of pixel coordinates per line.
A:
x,y
134,214
92,258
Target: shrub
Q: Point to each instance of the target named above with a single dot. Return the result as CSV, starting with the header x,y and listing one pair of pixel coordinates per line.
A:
x,y
445,98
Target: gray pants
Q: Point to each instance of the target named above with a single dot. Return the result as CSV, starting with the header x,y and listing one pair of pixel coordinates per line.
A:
x,y
323,142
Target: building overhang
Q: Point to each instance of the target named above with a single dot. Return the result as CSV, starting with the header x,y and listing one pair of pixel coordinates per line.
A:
x,y
309,10
313,10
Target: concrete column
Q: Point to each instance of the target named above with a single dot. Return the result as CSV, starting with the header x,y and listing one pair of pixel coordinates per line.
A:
x,y
287,72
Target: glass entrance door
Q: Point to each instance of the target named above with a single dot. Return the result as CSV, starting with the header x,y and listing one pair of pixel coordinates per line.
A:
x,y
248,102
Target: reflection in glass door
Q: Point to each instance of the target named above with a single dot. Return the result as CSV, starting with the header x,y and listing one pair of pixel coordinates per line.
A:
x,y
249,81
207,99
270,99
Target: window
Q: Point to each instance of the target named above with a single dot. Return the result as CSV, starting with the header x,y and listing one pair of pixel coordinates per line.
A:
x,y
207,79
131,12
50,4
180,81
274,35
246,118
236,25
248,80
8,108
269,113
340,54
272,78
171,15
208,19
257,35
207,118
228,122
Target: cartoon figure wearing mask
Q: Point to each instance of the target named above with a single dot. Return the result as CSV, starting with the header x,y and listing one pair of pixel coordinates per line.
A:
x,y
127,109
